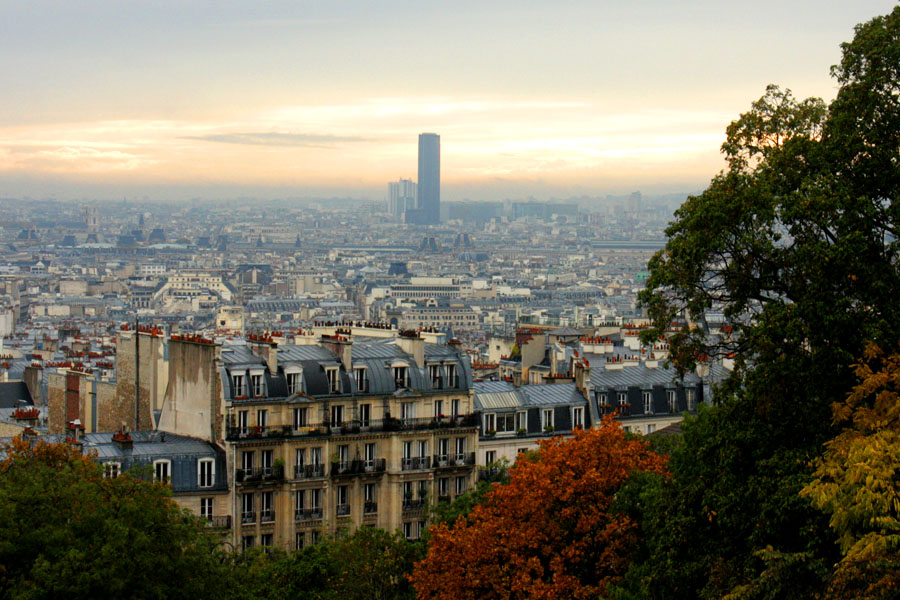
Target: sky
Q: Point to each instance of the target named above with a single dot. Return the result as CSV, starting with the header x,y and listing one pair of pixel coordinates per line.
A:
x,y
180,99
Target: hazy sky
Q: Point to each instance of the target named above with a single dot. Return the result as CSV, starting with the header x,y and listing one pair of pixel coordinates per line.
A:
x,y
217,98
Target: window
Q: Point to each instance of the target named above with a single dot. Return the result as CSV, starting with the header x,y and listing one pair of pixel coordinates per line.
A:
x,y
438,408
423,448
407,411
369,492
490,457
623,399
603,399
452,379
266,539
343,500
443,448
547,419
111,470
400,377
444,487
434,374
247,514
315,499
314,537
256,382
299,502
243,421
247,460
266,459
362,383
689,397
162,470
369,455
237,383
522,420
460,486
406,455
408,530
670,399
460,450
294,383
578,417
337,415
651,428
648,402
343,455
206,508
454,407
262,418
365,414
407,492
315,455
506,423
267,507
490,423
301,417
299,540
334,382
247,542
206,472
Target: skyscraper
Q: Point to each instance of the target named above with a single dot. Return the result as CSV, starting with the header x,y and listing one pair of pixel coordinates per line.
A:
x,y
401,197
428,193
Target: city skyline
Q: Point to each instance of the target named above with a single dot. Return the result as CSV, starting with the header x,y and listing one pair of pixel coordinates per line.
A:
x,y
315,99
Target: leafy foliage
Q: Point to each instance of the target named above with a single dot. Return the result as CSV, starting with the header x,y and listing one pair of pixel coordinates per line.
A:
x,y
549,532
856,481
65,531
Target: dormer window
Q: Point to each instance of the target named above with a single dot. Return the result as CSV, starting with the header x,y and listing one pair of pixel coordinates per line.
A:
x,y
401,376
334,382
434,373
237,383
256,383
294,382
362,383
452,379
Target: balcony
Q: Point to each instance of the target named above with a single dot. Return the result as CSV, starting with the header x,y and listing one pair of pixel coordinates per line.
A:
x,y
452,461
309,471
223,522
259,475
415,463
343,510
248,518
349,468
413,505
237,433
370,507
308,514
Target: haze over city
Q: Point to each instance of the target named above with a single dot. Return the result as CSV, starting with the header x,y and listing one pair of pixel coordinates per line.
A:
x,y
217,99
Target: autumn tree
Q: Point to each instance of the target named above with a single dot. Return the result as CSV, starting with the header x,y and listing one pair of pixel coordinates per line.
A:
x,y
68,532
857,482
548,533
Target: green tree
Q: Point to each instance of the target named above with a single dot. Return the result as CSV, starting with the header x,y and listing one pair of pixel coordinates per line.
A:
x,y
796,241
68,532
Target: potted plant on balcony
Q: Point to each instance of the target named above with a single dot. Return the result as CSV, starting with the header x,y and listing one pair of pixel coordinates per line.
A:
x,y
548,428
278,468
490,432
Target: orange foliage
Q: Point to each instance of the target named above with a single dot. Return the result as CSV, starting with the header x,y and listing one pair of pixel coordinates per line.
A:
x,y
549,533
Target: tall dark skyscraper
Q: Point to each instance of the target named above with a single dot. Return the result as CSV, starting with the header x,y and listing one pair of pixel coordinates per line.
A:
x,y
428,194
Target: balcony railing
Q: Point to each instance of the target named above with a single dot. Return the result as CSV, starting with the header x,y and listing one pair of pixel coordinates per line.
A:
x,y
259,474
309,471
370,507
410,504
248,518
234,432
267,516
308,514
415,463
223,522
358,467
443,461
343,510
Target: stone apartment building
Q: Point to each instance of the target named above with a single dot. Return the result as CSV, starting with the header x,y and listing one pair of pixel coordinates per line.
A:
x,y
328,429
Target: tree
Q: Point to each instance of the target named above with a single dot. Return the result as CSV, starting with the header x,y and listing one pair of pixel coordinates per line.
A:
x,y
494,474
856,482
796,241
68,532
549,533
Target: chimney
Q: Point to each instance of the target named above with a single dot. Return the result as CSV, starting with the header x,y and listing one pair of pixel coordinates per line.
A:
x,y
412,343
75,433
123,439
264,347
582,372
340,345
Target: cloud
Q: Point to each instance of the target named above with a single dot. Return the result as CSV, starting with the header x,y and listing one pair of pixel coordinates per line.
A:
x,y
279,139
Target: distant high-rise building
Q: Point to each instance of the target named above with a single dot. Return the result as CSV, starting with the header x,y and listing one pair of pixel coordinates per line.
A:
x,y
428,199
401,197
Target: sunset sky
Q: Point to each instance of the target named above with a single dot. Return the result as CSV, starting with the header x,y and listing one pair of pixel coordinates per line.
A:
x,y
219,99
